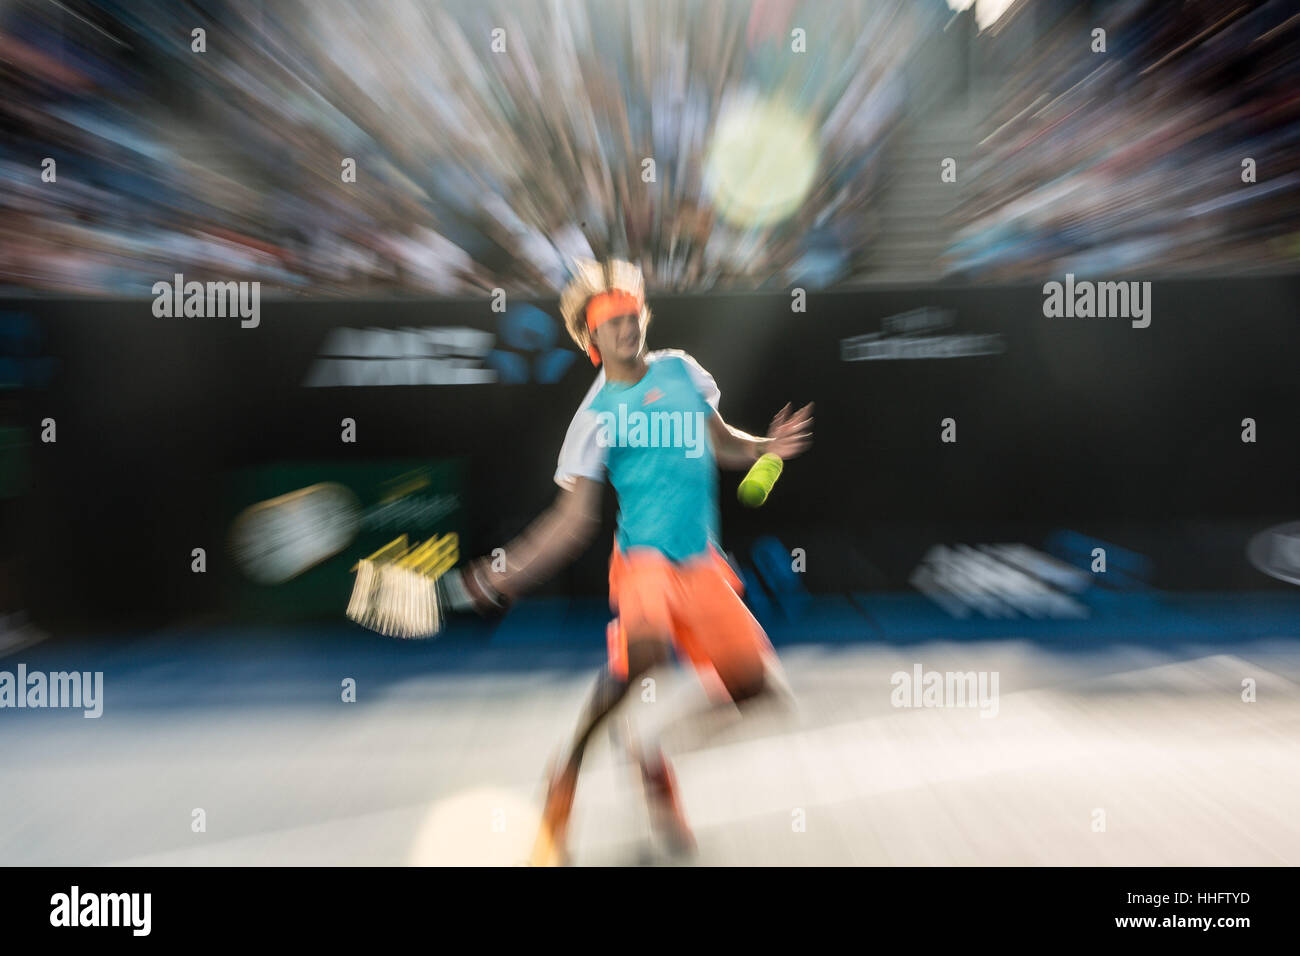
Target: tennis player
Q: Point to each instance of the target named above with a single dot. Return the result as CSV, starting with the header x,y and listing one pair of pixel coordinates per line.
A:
x,y
649,425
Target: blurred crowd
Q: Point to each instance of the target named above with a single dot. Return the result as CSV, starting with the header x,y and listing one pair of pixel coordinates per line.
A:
x,y
474,168
481,166
1131,161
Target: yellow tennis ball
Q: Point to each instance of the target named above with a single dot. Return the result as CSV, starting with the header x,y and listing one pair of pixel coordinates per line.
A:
x,y
757,484
751,494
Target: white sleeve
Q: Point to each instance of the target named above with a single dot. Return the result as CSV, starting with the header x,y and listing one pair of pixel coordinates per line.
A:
x,y
703,381
582,455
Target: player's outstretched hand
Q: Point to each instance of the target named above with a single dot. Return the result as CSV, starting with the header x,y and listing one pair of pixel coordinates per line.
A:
x,y
790,433
468,588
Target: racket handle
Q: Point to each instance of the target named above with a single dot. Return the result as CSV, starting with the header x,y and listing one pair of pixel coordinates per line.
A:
x,y
464,589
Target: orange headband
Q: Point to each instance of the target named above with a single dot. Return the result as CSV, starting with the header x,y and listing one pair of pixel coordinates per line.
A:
x,y
606,306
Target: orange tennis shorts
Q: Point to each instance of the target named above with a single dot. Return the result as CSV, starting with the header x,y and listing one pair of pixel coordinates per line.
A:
x,y
697,604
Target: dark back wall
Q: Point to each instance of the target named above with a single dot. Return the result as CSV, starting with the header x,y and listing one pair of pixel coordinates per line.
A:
x,y
1082,423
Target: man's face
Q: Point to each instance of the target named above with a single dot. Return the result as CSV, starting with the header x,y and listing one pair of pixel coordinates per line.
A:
x,y
620,338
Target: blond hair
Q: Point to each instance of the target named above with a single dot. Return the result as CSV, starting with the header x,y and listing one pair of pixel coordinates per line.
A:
x,y
590,279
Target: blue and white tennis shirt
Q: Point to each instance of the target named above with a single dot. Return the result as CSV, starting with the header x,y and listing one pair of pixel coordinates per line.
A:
x,y
651,438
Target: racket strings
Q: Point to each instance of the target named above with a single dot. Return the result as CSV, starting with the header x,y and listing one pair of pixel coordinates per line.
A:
x,y
396,590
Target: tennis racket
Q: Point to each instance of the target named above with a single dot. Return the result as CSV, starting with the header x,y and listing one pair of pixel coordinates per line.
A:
x,y
406,591
396,589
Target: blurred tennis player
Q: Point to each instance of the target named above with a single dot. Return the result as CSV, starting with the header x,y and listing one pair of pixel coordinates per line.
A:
x,y
650,425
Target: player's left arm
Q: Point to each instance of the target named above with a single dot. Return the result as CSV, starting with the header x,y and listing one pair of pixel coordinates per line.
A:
x,y
789,435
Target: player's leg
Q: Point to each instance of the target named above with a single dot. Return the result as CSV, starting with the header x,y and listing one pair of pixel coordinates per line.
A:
x,y
660,786
639,640
741,680
730,651
643,654
704,600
